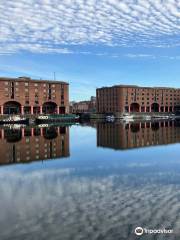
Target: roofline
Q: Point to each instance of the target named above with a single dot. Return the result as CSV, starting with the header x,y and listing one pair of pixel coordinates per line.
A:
x,y
22,79
135,86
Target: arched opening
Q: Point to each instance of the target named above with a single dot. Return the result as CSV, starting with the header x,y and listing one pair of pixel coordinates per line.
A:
x,y
36,110
50,133
49,107
62,130
12,135
27,109
162,108
135,127
177,109
155,107
62,110
12,107
134,107
155,126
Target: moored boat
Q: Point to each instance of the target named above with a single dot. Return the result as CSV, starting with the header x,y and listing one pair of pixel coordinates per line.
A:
x,y
57,118
110,118
14,120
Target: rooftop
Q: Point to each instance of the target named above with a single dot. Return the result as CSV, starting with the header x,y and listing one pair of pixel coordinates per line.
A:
x,y
22,79
135,86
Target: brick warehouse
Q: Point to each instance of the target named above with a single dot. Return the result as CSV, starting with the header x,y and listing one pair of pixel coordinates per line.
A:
x,y
24,95
33,144
126,98
137,134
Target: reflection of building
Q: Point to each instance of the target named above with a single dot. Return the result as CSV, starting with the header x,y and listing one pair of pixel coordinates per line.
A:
x,y
135,135
84,106
124,98
24,95
30,144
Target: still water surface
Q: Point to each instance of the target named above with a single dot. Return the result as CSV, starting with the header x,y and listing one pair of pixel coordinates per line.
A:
x,y
90,181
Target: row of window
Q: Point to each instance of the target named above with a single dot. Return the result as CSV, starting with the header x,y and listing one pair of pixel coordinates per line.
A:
x,y
37,102
154,90
154,100
161,95
35,84
27,90
162,103
26,84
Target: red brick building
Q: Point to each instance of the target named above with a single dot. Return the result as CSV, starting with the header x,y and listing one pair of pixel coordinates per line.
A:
x,y
24,95
33,144
84,106
137,134
126,98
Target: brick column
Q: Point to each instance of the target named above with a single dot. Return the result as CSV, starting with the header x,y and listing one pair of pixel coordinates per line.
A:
x,y
22,130
129,109
41,110
2,110
67,109
22,110
144,108
2,133
164,109
32,132
57,109
159,109
149,108
31,109
41,131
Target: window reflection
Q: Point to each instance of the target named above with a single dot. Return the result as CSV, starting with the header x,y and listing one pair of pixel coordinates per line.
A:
x,y
137,134
32,144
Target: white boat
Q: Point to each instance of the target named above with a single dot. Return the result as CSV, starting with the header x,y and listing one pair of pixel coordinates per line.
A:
x,y
147,117
110,118
14,126
42,117
14,119
43,125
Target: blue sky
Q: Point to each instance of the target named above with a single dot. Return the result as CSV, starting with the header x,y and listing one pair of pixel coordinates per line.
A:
x,y
92,43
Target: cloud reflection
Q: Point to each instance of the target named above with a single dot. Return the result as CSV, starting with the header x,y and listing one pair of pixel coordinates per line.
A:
x,y
63,204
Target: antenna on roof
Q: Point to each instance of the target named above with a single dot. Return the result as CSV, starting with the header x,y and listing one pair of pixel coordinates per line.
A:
x,y
54,76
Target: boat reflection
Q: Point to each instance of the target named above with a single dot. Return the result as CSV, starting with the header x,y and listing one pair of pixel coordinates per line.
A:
x,y
137,134
26,144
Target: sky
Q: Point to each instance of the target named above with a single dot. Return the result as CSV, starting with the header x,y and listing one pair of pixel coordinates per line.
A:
x,y
91,43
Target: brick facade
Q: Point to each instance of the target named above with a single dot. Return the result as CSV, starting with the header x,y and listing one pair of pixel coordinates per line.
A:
x,y
124,98
25,95
83,106
33,144
136,135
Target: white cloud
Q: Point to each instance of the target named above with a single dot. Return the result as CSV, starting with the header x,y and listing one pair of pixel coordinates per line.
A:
x,y
49,26
63,204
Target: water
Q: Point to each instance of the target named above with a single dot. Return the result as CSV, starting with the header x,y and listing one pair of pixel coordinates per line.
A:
x,y
90,181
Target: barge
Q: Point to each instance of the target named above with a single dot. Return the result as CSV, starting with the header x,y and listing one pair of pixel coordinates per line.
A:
x,y
54,118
